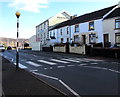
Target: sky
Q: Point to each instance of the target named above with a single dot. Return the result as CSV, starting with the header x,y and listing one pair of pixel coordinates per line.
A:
x,y
34,12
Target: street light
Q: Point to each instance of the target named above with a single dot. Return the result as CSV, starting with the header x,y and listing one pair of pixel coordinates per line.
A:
x,y
17,52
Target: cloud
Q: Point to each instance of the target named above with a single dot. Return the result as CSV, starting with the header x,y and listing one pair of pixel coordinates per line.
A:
x,y
82,1
28,5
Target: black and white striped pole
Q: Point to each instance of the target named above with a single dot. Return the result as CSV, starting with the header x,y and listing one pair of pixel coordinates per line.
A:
x,y
17,51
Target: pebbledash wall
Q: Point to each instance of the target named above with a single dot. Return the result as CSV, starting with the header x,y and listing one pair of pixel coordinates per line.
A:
x,y
83,30
109,28
84,34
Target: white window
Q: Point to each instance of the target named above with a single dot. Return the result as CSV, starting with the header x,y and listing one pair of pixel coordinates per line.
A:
x,y
76,28
117,24
92,38
91,26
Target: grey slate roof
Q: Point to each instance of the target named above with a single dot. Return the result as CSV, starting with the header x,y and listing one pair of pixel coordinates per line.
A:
x,y
115,13
85,18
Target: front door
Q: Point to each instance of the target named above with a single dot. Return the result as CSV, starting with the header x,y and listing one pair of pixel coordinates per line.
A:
x,y
106,40
84,39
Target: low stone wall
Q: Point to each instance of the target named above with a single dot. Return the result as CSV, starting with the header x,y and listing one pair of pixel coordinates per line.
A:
x,y
105,52
78,49
59,49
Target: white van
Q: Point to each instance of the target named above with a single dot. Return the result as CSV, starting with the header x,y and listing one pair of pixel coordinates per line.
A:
x,y
2,48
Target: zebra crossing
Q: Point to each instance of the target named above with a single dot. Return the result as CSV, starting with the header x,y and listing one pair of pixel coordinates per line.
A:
x,y
60,63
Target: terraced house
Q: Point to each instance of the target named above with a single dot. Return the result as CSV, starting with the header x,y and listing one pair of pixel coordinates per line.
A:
x,y
97,27
42,30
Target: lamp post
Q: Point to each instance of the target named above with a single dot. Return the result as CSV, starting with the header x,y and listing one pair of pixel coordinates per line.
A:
x,y
17,52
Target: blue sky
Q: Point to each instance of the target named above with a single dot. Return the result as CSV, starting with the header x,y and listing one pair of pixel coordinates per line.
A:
x,y
33,12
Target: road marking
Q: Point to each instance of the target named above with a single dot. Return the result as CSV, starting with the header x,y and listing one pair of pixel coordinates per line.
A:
x,y
93,67
21,66
46,76
45,68
71,60
70,65
51,68
33,70
46,62
71,90
59,61
33,64
107,69
92,59
113,70
82,64
94,63
34,55
65,85
60,66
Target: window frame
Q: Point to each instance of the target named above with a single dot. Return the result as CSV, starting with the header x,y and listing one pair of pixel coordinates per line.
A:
x,y
92,37
90,25
76,27
67,30
61,40
116,23
116,36
61,32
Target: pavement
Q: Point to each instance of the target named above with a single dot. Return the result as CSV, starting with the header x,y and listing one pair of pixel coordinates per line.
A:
x,y
20,82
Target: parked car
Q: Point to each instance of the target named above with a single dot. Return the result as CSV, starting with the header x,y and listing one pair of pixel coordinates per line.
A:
x,y
9,48
2,48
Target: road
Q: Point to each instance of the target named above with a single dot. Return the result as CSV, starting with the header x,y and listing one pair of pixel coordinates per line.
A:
x,y
72,74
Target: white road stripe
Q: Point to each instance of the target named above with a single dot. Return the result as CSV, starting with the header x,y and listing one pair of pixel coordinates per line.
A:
x,y
45,68
71,60
70,65
45,76
71,90
54,78
94,63
33,70
107,69
21,66
92,59
33,64
59,61
114,71
82,64
60,66
46,62
51,68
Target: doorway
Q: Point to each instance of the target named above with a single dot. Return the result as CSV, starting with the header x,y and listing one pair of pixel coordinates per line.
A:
x,y
106,40
84,39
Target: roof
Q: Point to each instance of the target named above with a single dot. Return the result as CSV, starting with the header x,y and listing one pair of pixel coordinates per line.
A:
x,y
66,23
115,13
86,17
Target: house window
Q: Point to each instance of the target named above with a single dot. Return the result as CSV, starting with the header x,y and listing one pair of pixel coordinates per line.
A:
x,y
76,28
67,40
91,26
76,39
117,24
117,38
92,38
61,40
67,30
54,34
61,31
